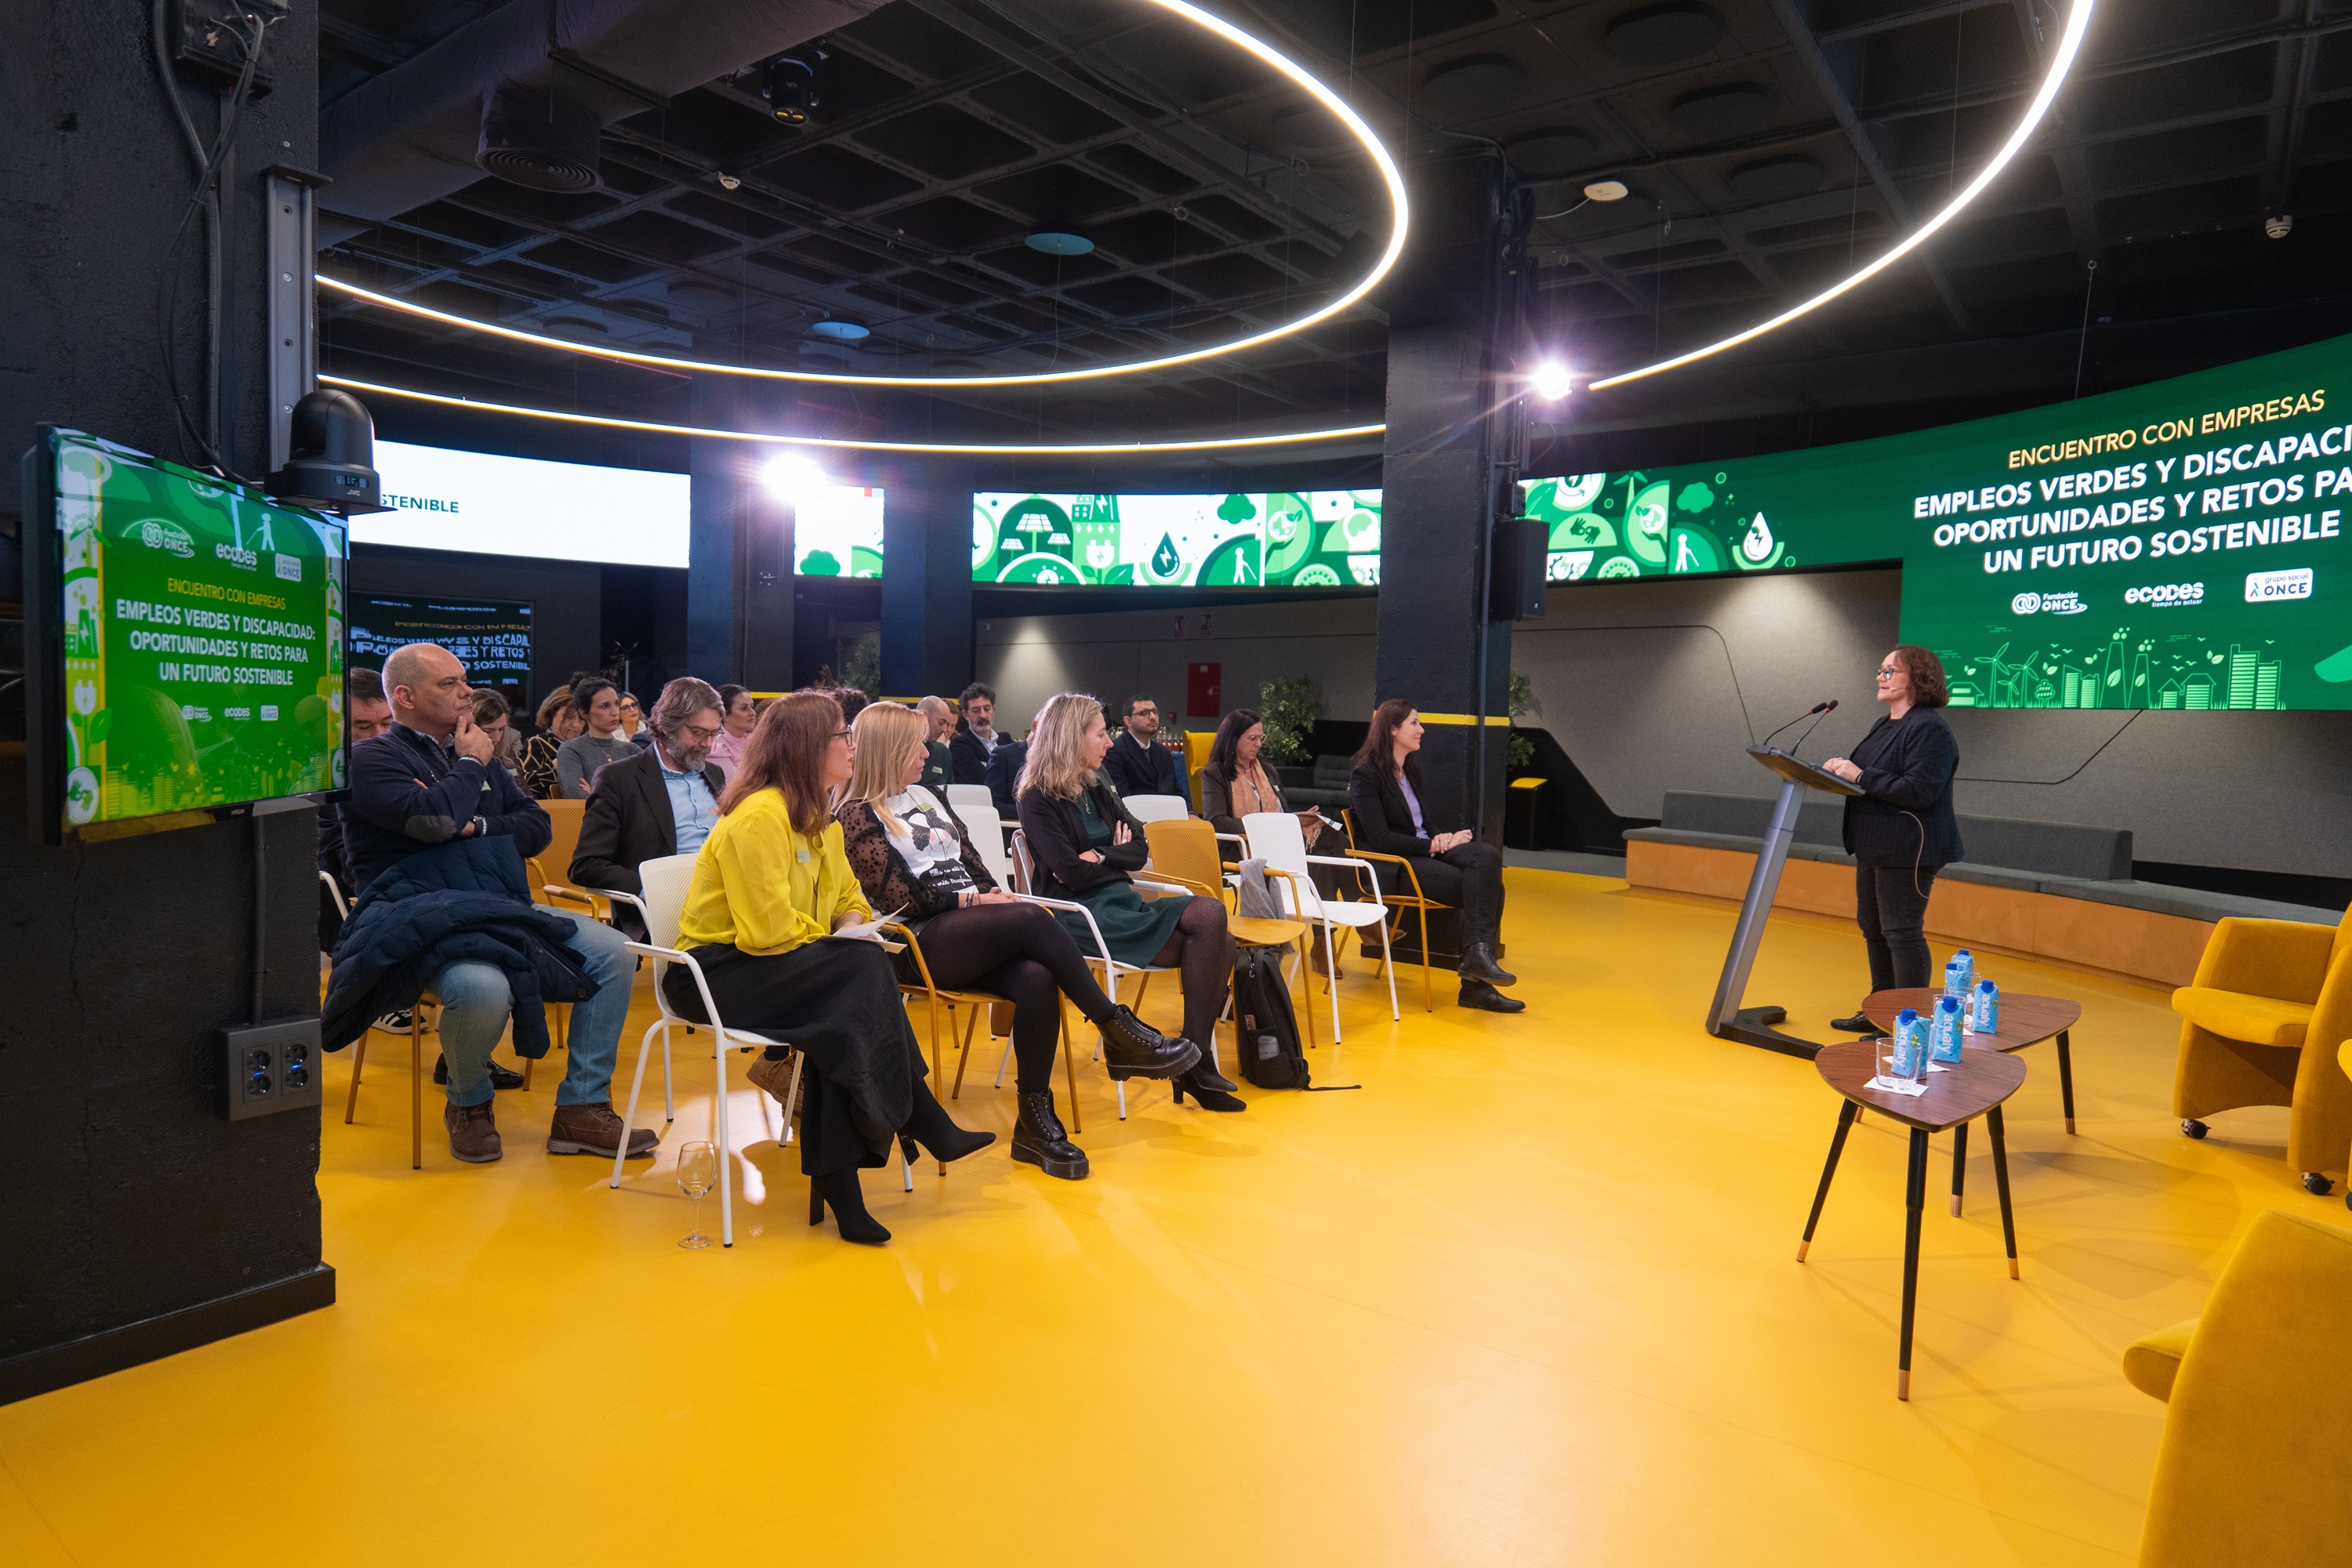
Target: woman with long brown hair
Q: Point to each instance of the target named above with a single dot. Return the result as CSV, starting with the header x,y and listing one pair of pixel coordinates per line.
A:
x,y
771,889
909,853
1086,847
1384,796
557,724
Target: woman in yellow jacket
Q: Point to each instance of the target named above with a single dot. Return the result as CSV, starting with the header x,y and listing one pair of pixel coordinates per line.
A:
x,y
774,918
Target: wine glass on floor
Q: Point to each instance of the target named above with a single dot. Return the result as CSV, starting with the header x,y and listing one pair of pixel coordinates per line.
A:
x,y
697,1172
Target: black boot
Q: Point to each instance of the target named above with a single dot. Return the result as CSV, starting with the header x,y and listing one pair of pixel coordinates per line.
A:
x,y
1857,1024
929,1124
1477,994
848,1200
1478,964
1133,1048
1206,1076
1210,1099
500,1077
1040,1139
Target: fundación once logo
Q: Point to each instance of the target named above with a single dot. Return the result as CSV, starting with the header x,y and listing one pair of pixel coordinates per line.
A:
x,y
2270,588
2029,603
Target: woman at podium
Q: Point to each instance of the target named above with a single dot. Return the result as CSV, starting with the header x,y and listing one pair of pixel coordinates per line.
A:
x,y
1900,828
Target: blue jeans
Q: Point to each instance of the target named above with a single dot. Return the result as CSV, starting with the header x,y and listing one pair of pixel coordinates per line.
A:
x,y
474,1002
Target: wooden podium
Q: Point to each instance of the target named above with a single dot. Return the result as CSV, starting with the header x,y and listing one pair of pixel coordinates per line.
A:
x,y
1727,1017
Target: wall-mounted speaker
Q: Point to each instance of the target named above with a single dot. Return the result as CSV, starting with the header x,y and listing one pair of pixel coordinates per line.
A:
x,y
1515,566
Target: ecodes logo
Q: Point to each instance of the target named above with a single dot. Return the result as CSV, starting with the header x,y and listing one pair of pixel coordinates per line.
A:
x,y
2270,588
238,556
2167,595
2029,603
156,533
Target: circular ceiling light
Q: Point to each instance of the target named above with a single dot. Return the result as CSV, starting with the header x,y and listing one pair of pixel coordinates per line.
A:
x,y
2061,62
839,331
1023,449
1392,178
1552,381
1606,190
1059,242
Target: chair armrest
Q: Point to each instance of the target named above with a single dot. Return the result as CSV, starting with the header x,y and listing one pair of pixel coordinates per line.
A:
x,y
1237,841
1198,889
907,934
1102,949
342,910
2283,960
1410,875
557,893
2151,1363
1164,882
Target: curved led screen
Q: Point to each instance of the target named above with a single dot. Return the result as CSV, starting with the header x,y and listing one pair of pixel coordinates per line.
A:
x,y
1300,539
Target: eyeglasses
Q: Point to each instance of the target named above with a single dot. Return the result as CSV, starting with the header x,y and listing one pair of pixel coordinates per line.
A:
x,y
839,735
702,734
1889,671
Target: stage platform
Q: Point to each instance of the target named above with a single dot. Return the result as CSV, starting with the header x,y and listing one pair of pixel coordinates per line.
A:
x,y
1528,1296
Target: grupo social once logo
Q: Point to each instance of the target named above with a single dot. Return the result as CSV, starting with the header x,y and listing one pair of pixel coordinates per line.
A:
x,y
2167,595
2270,587
2025,604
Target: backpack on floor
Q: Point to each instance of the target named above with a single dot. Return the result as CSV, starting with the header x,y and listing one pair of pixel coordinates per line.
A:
x,y
1269,1028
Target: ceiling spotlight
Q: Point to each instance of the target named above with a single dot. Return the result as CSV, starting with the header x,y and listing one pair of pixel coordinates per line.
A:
x,y
2278,228
1606,190
1552,381
791,477
840,332
730,183
1059,242
789,84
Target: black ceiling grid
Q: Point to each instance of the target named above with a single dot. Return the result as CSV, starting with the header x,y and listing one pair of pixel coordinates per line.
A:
x,y
1768,145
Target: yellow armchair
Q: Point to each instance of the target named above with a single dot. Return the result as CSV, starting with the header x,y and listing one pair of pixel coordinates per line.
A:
x,y
2256,1462
2261,1026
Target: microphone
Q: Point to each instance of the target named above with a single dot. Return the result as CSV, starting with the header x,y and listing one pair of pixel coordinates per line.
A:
x,y
1825,709
1808,713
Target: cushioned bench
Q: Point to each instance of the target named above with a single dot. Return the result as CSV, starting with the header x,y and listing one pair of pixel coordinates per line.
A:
x,y
2051,889
1324,784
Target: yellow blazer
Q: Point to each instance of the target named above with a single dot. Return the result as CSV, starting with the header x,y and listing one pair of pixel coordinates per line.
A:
x,y
764,887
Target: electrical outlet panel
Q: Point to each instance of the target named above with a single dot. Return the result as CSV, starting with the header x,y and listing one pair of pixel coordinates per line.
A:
x,y
272,1067
209,38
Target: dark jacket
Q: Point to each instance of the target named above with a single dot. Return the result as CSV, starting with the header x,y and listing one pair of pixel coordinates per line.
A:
x,y
1383,820
1903,817
1003,773
409,793
968,759
1134,768
464,900
625,823
939,768
1057,838
335,863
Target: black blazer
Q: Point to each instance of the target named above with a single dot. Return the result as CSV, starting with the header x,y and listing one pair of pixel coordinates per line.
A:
x,y
1383,820
1003,773
1903,817
967,758
1057,838
1134,768
628,821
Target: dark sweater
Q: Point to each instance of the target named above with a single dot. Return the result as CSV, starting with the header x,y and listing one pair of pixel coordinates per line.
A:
x,y
1904,815
410,793
1056,833
1134,768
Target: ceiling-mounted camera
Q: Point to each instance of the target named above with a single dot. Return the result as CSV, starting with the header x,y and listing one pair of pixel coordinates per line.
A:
x,y
789,84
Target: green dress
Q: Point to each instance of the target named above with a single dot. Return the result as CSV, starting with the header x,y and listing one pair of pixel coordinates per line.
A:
x,y
1134,930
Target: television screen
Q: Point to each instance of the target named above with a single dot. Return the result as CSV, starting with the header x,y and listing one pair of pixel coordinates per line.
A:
x,y
188,638
1310,539
491,637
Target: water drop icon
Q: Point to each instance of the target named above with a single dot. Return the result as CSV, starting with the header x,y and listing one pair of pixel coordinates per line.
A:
x,y
1165,562
1757,543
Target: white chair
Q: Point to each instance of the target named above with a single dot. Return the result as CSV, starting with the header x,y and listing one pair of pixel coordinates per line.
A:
x,y
976,809
1274,837
664,903
1155,807
1095,951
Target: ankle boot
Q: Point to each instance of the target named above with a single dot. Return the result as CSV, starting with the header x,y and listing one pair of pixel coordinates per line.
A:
x,y
1484,998
1478,964
1133,1048
929,1124
848,1200
1206,1076
1209,1099
1040,1139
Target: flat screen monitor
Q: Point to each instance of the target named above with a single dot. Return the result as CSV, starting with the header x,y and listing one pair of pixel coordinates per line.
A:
x,y
185,642
491,637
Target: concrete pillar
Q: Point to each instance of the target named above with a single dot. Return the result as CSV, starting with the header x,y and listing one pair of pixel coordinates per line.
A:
x,y
927,577
739,591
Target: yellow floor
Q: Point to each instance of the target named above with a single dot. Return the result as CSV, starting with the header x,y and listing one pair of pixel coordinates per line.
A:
x,y
1528,1296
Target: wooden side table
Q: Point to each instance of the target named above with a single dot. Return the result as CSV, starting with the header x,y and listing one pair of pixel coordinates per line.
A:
x,y
2024,1021
1973,1087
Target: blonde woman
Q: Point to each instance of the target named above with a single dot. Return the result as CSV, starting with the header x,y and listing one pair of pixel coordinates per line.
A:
x,y
1085,847
557,724
909,853
772,916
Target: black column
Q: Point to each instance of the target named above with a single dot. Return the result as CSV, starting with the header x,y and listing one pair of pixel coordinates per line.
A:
x,y
1436,648
739,592
138,1220
927,577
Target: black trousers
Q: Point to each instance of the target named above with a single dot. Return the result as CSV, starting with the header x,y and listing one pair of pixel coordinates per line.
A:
x,y
1470,877
1021,952
1890,904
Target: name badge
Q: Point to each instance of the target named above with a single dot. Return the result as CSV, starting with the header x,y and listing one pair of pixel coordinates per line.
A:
x,y
803,857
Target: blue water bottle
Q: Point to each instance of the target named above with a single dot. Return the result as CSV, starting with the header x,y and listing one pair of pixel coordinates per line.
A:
x,y
1910,1056
1987,1008
1959,972
1944,1039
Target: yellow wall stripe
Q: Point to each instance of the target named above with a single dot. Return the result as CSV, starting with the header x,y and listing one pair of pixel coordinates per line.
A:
x,y
1499,719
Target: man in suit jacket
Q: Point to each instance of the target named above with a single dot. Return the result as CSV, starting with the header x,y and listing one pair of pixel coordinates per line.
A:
x,y
1138,764
976,738
1004,775
664,801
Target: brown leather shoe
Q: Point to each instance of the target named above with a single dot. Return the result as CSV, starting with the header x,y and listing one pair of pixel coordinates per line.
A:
x,y
594,1130
473,1132
775,1077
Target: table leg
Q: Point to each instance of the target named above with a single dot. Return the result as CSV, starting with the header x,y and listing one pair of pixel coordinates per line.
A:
x,y
2000,1183
2066,1080
1915,1198
1846,1114
1959,1165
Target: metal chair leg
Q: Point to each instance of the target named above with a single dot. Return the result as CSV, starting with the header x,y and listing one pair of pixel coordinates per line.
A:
x,y
1428,995
351,1103
1070,1074
963,1056
637,1088
669,1096
719,1116
793,1095
415,1092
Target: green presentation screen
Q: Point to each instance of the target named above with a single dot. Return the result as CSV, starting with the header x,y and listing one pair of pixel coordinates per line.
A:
x,y
197,654
2178,545
1309,539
